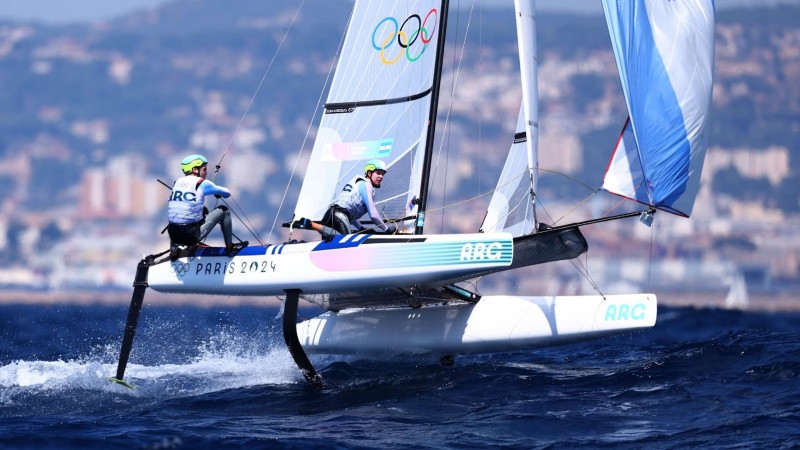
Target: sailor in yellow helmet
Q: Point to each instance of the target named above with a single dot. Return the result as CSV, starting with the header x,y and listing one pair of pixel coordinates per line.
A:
x,y
189,219
355,200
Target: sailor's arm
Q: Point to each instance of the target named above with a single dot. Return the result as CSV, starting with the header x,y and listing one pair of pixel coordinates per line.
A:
x,y
372,210
209,188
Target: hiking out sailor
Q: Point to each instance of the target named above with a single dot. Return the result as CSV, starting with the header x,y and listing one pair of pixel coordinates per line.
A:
x,y
354,201
189,219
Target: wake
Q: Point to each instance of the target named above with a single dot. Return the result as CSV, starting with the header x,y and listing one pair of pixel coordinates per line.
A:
x,y
223,362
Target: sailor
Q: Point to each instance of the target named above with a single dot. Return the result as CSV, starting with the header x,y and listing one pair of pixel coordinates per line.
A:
x,y
189,219
355,200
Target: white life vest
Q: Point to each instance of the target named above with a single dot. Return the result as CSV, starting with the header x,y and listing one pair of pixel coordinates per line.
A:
x,y
186,201
350,199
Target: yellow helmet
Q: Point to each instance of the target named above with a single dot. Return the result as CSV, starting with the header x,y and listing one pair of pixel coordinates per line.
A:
x,y
373,165
192,161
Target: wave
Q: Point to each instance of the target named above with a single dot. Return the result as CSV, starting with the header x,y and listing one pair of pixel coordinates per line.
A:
x,y
224,361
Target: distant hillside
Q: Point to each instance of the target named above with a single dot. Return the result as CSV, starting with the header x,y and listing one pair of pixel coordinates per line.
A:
x,y
157,85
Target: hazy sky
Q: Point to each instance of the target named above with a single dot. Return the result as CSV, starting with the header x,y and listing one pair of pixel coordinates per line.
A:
x,y
61,11
64,11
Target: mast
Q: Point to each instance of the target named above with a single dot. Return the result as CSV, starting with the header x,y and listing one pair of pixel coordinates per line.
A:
x,y
437,78
525,11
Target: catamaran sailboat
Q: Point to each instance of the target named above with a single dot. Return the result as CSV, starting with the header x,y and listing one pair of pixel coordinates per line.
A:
x,y
403,293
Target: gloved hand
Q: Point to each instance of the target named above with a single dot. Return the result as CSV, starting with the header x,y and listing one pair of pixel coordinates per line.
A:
x,y
391,228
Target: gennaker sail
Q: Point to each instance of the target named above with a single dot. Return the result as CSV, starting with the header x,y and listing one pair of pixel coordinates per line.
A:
x,y
665,56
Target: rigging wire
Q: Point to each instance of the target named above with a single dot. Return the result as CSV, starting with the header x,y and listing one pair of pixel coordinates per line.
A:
x,y
243,218
515,179
248,225
310,126
263,79
480,72
553,221
446,134
583,269
457,63
650,263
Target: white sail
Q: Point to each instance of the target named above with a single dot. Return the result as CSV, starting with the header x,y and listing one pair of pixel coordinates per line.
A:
x,y
378,106
738,297
512,207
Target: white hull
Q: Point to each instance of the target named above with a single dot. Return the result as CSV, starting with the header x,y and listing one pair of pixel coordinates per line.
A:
x,y
348,263
494,324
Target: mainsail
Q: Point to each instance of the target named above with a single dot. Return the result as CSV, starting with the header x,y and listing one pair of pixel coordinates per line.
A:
x,y
665,56
378,106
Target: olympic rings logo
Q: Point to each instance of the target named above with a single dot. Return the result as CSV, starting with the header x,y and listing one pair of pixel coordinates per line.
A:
x,y
180,268
404,39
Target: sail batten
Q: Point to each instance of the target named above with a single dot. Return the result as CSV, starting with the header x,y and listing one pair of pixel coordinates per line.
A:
x,y
335,107
665,54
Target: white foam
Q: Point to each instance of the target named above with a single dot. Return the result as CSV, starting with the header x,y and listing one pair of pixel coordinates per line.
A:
x,y
224,361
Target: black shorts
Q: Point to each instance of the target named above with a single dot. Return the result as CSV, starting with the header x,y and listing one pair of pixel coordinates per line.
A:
x,y
336,221
185,234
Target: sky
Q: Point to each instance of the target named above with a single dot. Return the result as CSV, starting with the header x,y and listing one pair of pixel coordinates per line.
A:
x,y
70,11
66,11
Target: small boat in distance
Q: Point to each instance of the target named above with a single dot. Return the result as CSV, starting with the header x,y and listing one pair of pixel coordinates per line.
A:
x,y
738,297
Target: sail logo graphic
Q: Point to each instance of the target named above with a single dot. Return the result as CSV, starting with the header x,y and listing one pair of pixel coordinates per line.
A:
x,y
412,37
481,251
349,151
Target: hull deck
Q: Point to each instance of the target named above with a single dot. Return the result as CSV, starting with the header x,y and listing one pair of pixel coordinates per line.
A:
x,y
347,263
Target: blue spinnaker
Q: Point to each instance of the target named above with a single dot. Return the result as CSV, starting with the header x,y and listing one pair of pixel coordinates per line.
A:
x,y
665,57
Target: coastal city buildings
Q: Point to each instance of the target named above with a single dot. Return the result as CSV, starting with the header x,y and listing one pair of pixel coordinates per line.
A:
x,y
93,230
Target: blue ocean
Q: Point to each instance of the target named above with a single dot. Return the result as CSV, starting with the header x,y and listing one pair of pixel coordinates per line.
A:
x,y
221,377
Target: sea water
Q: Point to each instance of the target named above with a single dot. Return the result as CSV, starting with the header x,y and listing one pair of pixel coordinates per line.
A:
x,y
221,377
